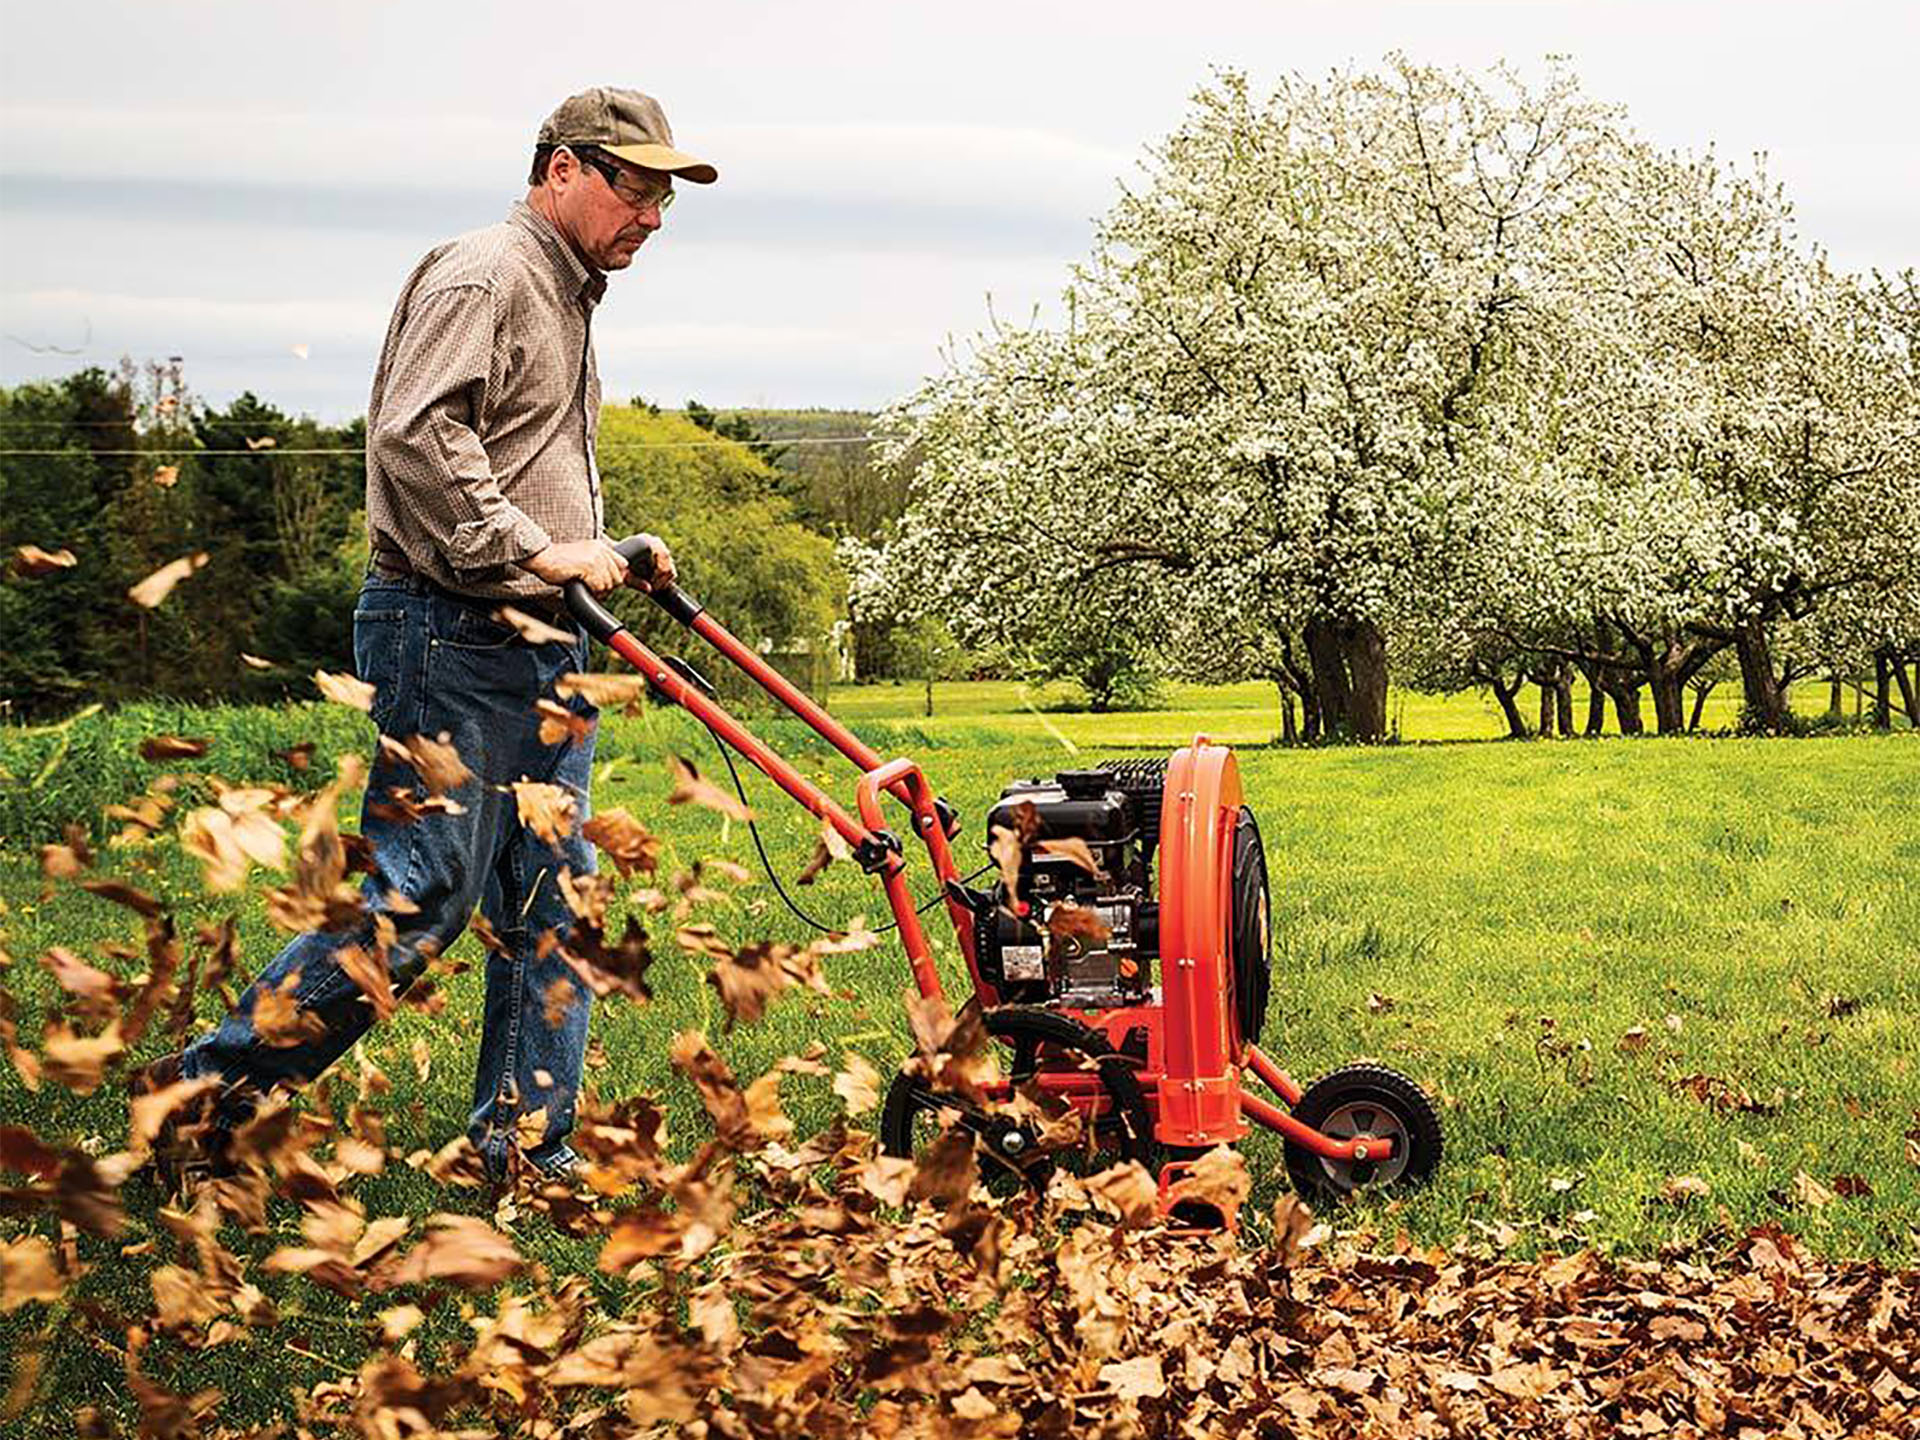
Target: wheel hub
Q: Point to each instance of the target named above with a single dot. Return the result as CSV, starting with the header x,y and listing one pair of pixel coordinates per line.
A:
x,y
1365,1120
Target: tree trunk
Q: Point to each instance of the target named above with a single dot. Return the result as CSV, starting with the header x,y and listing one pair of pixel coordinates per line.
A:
x,y
1766,708
1669,698
1289,731
1300,680
1367,663
1516,722
1563,700
1882,691
1546,708
1596,700
1835,710
1332,692
1906,691
1700,694
1626,708
1349,664
929,694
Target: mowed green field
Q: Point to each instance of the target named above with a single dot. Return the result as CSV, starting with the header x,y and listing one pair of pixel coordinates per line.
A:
x,y
1492,919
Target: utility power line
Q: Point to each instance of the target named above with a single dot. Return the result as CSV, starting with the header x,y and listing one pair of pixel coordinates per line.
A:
x,y
271,450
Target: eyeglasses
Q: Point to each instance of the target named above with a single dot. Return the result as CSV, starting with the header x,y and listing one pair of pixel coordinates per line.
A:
x,y
618,183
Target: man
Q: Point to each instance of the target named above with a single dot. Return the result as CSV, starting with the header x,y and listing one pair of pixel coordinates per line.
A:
x,y
482,492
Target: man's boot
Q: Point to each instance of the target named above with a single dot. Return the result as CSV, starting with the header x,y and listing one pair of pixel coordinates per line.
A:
x,y
188,1147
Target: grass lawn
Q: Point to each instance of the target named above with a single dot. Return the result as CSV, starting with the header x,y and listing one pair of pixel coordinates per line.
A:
x,y
1243,714
1490,918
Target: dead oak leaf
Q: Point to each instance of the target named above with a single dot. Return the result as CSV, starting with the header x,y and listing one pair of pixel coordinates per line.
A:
x,y
1133,1194
1139,1378
1075,849
1007,845
233,836
628,843
1680,1189
345,690
547,810
28,1272
830,845
763,1107
1075,928
78,1061
30,561
434,759
750,977
62,862
605,969
690,787
78,978
121,893
279,1021
149,592
149,1111
1810,1192
1218,1178
725,1102
559,725
858,1083
367,968
1527,1382
461,1250
174,747
532,630
638,1235
604,690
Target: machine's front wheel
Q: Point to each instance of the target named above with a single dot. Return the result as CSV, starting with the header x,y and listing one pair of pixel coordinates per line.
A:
x,y
1011,1152
1365,1101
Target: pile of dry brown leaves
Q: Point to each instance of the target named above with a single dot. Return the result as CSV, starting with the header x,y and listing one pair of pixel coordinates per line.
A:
x,y
778,1286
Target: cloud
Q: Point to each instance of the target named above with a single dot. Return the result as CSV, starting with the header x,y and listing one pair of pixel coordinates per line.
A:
x,y
288,154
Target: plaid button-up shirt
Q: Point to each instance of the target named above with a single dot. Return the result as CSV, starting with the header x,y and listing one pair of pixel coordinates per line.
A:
x,y
485,406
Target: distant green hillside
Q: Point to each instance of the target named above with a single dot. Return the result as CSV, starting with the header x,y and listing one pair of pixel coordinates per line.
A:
x,y
831,480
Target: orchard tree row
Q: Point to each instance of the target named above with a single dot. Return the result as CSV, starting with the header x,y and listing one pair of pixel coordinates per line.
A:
x,y
1440,373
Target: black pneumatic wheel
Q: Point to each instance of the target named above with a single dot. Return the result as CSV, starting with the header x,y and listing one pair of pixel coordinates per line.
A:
x,y
1358,1101
1007,1149
1252,928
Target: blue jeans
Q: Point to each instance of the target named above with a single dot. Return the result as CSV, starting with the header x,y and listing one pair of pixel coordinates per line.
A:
x,y
441,665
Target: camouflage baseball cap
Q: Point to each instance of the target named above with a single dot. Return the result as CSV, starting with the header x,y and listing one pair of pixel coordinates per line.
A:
x,y
624,123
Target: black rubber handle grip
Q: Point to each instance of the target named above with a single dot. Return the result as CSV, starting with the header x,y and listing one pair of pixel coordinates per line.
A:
x,y
600,622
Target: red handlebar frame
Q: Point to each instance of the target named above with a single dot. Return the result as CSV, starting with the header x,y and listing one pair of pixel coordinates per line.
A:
x,y
877,849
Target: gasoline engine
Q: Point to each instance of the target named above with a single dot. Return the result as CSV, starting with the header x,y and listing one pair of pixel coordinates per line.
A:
x,y
1034,955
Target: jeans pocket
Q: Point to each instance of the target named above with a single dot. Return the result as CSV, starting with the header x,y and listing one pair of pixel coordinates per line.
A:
x,y
468,627
378,639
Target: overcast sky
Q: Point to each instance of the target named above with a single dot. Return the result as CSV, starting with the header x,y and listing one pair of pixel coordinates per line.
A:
x,y
227,181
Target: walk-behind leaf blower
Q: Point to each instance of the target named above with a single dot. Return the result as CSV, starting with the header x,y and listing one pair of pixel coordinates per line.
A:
x,y
1122,957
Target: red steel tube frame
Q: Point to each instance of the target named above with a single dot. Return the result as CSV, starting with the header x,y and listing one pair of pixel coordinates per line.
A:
x,y
817,801
911,790
1281,1083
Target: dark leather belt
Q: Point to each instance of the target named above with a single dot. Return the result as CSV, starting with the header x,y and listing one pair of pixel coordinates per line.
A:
x,y
552,610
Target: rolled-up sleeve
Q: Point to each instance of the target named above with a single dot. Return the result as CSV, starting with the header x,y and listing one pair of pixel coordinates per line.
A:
x,y
427,439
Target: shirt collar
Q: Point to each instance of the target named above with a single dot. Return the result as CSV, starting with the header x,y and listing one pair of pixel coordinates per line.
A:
x,y
573,272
